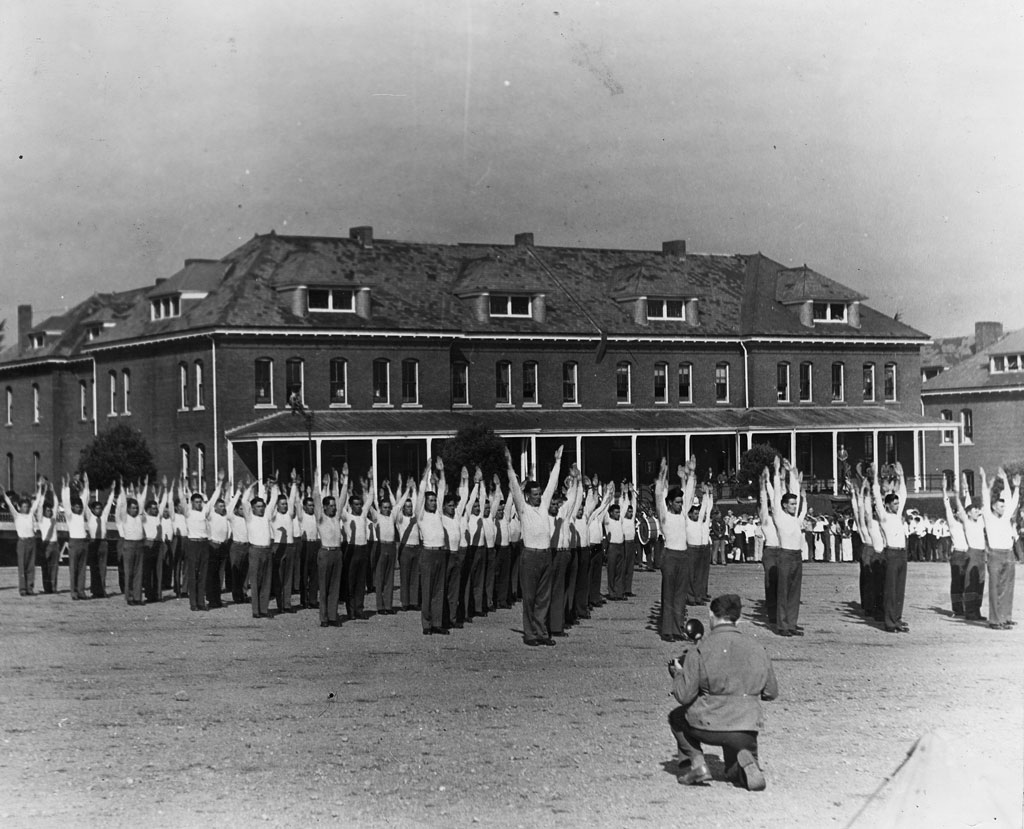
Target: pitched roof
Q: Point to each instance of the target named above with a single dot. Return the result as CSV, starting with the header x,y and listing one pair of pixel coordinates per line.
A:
x,y
946,351
973,372
803,284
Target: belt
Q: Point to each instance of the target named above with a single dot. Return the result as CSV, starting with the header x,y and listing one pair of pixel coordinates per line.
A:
x,y
328,549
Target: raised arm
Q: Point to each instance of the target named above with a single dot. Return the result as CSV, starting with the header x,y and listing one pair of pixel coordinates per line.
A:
x,y
661,491
549,490
514,489
876,490
986,493
901,486
65,495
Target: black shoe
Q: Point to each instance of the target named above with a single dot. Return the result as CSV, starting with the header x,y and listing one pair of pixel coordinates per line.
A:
x,y
439,631
428,632
667,638
458,625
325,624
532,642
785,633
797,632
559,633
549,642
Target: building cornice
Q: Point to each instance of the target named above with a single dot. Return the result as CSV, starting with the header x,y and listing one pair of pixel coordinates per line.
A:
x,y
971,391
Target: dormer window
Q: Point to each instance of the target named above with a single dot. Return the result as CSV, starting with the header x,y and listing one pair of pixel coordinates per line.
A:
x,y
511,305
830,312
165,308
335,300
93,332
1006,362
36,340
666,309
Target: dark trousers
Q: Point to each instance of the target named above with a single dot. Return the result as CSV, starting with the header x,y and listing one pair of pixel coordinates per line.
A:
x,y
177,552
570,585
215,573
490,562
384,575
515,550
197,560
502,573
705,572
770,561
328,568
632,550
78,563
720,547
616,571
596,562
260,578
957,574
559,569
535,576
97,568
453,584
872,575
895,586
281,576
238,562
675,581
152,569
50,565
371,569
582,592
131,555
432,583
120,566
357,564
1001,566
409,576
694,590
690,740
974,583
27,565
473,580
309,573
791,570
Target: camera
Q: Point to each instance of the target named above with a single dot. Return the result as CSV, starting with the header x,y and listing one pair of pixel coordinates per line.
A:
x,y
693,630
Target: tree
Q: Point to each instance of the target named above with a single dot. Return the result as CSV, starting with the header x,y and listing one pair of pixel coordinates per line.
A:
x,y
120,452
474,446
756,458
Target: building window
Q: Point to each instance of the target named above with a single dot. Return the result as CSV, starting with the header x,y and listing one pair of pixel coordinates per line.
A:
x,y
509,305
969,480
35,466
182,386
35,402
126,392
838,383
410,382
337,300
685,387
201,465
200,385
93,332
83,399
666,309
890,381
782,382
806,382
503,382
112,378
722,383
569,390
294,388
890,448
623,378
36,341
9,407
661,382
830,312
263,371
1006,362
869,382
948,435
184,459
165,308
339,381
460,384
10,471
530,397
381,382
967,425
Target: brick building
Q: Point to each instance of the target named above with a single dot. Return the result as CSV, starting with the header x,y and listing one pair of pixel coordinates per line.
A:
x,y
981,397
624,356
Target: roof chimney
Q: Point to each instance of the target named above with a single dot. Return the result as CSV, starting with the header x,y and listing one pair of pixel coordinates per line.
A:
x,y
675,248
363,235
985,333
24,324
524,240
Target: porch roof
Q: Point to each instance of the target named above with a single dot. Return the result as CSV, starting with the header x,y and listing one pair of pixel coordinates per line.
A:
x,y
403,422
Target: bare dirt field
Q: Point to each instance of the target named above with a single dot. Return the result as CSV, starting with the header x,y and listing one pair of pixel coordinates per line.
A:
x,y
159,717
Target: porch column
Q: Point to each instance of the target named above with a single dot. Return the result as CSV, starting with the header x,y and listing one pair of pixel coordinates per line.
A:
x,y
231,465
835,462
430,450
956,461
792,448
739,449
633,460
373,468
686,447
579,451
917,460
259,459
533,455
524,462
874,450
318,458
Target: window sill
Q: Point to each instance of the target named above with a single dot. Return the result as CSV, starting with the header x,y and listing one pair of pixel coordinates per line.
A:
x,y
504,406
685,402
339,406
257,406
382,406
199,408
623,402
111,414
126,414
660,402
412,406
571,406
462,406
966,443
531,405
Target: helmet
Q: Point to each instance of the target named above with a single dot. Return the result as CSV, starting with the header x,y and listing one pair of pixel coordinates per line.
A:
x,y
694,630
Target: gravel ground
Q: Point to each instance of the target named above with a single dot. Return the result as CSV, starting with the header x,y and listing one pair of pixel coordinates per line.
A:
x,y
155,716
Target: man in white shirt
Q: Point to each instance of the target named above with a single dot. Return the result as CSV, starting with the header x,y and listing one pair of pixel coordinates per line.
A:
x,y
331,539
675,561
263,536
433,552
408,534
283,519
535,567
25,516
789,509
894,531
309,538
97,519
238,555
197,544
998,515
78,534
220,541
356,523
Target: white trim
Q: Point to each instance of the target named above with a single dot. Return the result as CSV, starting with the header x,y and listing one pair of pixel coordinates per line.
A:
x,y
947,392
216,436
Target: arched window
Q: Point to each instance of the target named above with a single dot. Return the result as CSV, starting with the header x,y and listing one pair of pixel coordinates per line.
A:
x,y
722,383
83,399
185,461
838,382
869,382
263,384
112,382
530,393
182,386
661,382
9,406
967,425
949,479
948,435
806,382
10,471
200,385
126,392
570,395
623,383
685,385
890,381
339,381
969,480
503,383
782,382
294,370
35,402
201,465
410,382
460,383
381,382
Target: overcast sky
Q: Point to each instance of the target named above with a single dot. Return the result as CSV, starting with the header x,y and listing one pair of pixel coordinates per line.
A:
x,y
880,142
